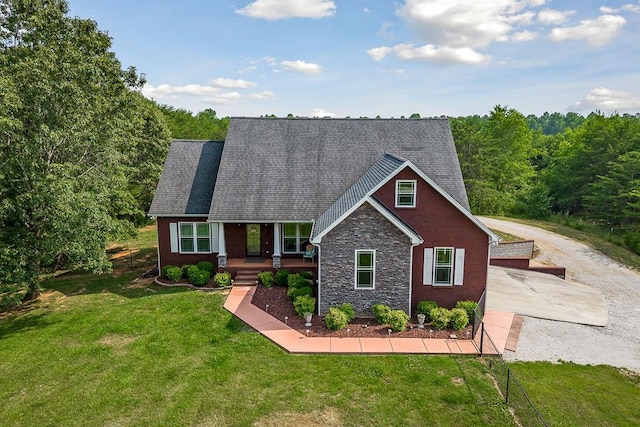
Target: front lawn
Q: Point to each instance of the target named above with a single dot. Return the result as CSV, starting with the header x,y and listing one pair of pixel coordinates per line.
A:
x,y
109,351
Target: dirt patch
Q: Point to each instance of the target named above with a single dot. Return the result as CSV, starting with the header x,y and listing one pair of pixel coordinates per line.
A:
x,y
328,417
457,380
280,307
116,341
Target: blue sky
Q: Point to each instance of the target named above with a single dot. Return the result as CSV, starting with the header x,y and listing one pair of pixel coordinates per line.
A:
x,y
357,58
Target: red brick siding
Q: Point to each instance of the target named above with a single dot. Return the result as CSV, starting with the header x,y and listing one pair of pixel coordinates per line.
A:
x,y
440,224
164,245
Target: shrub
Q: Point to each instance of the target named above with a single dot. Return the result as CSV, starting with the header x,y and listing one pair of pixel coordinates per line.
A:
x,y
281,277
335,319
166,268
206,266
381,312
425,307
440,317
469,307
458,319
347,309
185,270
266,278
174,273
198,277
294,293
297,281
304,304
397,319
307,275
222,279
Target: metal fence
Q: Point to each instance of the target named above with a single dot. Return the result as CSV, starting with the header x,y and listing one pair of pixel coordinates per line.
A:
x,y
514,394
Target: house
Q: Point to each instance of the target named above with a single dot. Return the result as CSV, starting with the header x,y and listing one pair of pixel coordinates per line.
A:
x,y
382,201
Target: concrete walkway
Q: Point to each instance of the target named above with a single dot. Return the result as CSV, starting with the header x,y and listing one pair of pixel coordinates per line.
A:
x,y
238,302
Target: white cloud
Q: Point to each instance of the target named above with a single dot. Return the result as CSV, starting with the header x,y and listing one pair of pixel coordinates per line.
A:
x,y
395,71
596,32
262,96
230,83
321,112
464,23
378,53
385,29
283,9
301,67
635,8
247,69
168,91
438,55
524,36
554,17
608,100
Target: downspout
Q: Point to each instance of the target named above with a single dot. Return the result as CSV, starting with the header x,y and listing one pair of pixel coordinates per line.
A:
x,y
413,245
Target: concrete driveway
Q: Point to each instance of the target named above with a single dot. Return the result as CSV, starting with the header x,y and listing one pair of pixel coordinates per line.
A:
x,y
545,296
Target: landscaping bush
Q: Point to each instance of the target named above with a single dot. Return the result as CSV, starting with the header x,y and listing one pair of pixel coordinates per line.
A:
x,y
381,312
304,304
398,320
174,273
266,278
440,317
281,277
307,275
294,293
458,318
347,309
198,277
425,307
469,307
222,279
297,281
206,266
185,270
336,319
166,268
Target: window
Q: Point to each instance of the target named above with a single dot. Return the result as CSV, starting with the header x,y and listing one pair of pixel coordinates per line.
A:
x,y
443,266
195,237
365,269
406,194
295,237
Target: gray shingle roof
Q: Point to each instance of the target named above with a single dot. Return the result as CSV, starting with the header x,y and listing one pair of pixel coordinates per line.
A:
x,y
382,169
295,169
188,178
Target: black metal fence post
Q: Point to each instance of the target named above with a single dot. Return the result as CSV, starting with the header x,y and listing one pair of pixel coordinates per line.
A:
x,y
506,394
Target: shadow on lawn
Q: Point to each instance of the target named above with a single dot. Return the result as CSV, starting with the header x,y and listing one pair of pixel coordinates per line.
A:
x,y
27,320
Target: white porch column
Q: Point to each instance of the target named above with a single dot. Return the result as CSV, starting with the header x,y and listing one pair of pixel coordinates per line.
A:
x,y
277,255
222,247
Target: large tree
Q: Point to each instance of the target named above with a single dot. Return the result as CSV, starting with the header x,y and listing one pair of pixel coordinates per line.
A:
x,y
76,143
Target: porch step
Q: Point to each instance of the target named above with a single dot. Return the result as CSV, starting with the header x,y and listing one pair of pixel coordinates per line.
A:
x,y
246,278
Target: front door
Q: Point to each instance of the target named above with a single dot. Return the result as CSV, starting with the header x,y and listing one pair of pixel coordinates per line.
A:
x,y
253,240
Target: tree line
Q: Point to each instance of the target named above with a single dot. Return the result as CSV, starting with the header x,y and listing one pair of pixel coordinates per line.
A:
x,y
579,167
81,151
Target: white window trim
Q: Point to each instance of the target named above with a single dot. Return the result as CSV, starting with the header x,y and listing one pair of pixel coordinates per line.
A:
x,y
356,269
195,238
450,265
299,238
413,193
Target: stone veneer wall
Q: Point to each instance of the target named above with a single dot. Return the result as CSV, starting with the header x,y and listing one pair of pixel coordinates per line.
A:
x,y
366,228
519,249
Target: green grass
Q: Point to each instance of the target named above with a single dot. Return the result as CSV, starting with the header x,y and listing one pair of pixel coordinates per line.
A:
x,y
110,350
577,395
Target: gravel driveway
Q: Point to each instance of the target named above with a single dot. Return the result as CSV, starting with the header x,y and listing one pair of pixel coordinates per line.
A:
x,y
618,343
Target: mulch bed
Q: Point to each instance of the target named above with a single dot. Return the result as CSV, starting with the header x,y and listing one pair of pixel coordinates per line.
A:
x,y
280,307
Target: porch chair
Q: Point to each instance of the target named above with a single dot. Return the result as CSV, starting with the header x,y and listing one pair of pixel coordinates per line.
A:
x,y
310,253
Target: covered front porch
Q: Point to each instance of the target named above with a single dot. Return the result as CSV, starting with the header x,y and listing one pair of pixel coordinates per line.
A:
x,y
293,265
